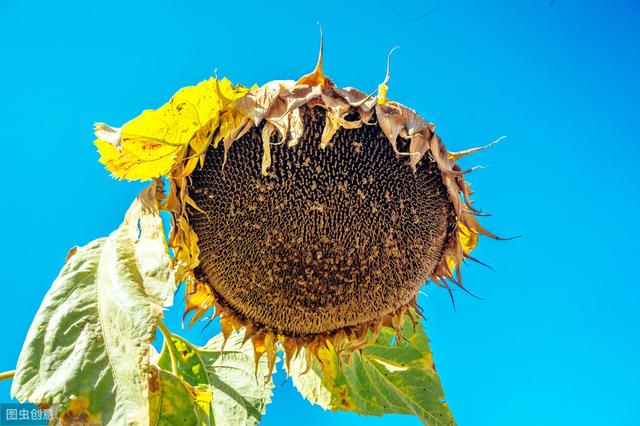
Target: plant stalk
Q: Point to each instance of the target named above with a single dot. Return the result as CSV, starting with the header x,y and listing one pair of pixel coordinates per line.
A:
x,y
7,375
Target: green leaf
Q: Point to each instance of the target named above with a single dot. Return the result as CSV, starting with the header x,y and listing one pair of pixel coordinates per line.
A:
x,y
87,350
175,402
240,392
386,377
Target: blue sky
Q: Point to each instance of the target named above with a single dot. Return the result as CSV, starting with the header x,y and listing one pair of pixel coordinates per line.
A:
x,y
555,339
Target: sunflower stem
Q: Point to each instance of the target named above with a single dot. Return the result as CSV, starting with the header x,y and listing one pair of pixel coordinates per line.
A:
x,y
7,375
170,346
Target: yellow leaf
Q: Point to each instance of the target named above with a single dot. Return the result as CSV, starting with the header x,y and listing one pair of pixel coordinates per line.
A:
x,y
125,165
151,144
77,412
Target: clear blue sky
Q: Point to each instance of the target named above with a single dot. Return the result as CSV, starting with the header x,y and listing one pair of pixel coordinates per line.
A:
x,y
556,338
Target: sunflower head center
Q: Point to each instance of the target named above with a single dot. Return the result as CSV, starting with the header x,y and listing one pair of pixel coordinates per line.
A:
x,y
329,238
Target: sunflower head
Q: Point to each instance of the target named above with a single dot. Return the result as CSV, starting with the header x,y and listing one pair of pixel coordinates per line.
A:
x,y
308,214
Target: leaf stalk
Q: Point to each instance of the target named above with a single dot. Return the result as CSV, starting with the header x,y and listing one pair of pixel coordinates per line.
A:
x,y
170,346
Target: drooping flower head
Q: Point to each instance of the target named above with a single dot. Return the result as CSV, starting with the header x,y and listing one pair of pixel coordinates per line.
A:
x,y
308,214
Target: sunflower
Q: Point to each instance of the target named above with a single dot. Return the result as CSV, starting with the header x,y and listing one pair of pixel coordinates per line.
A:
x,y
306,214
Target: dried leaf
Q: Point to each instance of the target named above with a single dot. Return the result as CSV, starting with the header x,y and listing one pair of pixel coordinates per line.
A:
x,y
87,350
